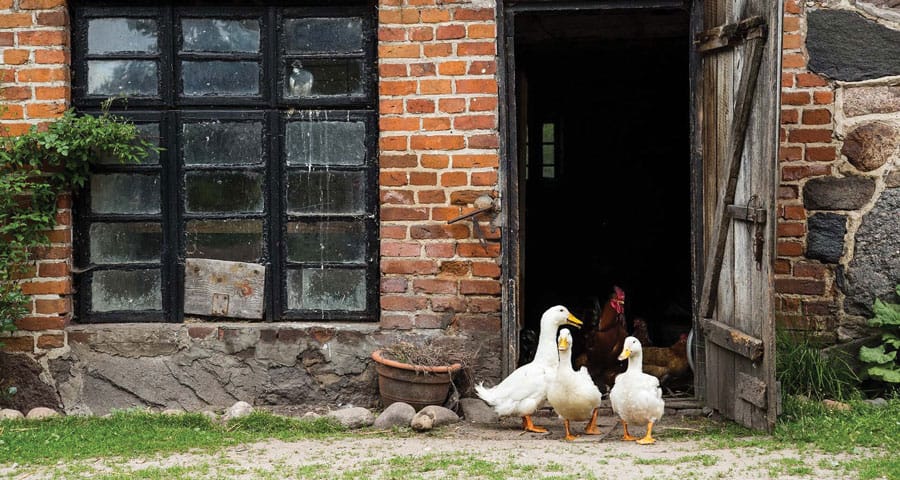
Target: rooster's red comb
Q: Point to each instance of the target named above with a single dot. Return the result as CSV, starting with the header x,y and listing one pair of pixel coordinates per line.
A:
x,y
620,294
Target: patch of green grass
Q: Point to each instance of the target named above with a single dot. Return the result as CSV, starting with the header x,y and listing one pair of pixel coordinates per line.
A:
x,y
136,434
789,466
802,369
703,459
863,425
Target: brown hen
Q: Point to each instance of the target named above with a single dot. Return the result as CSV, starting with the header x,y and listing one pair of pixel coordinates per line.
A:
x,y
668,363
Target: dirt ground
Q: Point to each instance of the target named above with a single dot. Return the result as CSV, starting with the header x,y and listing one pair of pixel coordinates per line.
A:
x,y
510,452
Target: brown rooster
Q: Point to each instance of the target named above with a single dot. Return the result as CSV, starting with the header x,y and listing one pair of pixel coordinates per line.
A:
x,y
603,342
667,363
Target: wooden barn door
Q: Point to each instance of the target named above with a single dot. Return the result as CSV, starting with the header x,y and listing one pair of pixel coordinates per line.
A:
x,y
737,53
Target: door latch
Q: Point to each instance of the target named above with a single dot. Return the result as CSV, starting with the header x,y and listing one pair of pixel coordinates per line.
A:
x,y
483,204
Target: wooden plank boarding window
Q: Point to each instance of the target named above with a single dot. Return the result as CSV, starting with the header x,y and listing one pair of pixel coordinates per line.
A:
x,y
267,120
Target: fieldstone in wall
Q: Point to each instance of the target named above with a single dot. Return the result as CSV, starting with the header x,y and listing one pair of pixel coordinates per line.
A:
x,y
887,9
825,240
831,193
868,100
893,179
871,145
844,45
874,270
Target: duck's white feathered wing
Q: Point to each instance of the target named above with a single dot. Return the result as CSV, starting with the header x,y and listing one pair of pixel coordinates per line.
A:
x,y
521,393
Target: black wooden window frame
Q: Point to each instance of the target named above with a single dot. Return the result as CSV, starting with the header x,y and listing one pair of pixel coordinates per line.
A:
x,y
170,110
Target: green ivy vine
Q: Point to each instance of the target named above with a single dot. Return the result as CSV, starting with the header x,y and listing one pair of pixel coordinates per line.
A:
x,y
34,169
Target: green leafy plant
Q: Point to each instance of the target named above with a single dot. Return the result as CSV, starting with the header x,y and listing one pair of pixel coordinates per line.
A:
x,y
803,369
881,361
37,166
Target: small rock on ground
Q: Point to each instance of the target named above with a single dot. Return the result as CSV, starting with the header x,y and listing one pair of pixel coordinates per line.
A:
x,y
397,414
41,412
475,410
238,410
10,414
353,417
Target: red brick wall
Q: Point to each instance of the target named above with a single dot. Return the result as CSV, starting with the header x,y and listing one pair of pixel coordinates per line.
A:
x,y
35,88
439,150
805,290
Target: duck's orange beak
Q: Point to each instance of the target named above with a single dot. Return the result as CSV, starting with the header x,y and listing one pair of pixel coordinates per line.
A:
x,y
626,352
572,320
563,344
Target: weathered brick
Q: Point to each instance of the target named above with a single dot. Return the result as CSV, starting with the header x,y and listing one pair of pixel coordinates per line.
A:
x,y
423,178
52,287
438,50
43,37
392,70
470,14
450,32
440,250
789,172
397,87
433,15
791,229
403,303
454,179
15,93
810,136
421,34
782,267
801,287
452,105
433,286
201,331
400,249
486,269
481,30
435,87
51,306
475,122
793,60
478,323
418,105
791,41
810,80
436,124
790,116
452,68
437,142
436,161
491,141
56,18
793,212
821,154
394,285
397,322
791,24
45,110
430,320
810,270
398,197
448,304
388,106
17,344
483,104
484,179
476,86
422,70
823,97
399,123
395,143
42,323
816,117
42,75
476,250
407,267
395,232
471,49
431,196
13,20
790,154
51,341
789,249
16,57
393,179
795,98
485,305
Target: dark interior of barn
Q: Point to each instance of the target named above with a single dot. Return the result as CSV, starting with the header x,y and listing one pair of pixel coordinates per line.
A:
x,y
606,197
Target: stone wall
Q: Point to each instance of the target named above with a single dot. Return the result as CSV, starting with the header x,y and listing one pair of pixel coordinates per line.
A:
x,y
839,231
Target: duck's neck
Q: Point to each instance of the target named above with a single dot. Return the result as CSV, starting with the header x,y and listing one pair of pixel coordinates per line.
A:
x,y
565,360
546,348
635,363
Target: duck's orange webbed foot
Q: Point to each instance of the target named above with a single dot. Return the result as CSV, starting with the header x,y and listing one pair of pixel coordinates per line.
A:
x,y
648,438
569,435
591,428
627,437
529,426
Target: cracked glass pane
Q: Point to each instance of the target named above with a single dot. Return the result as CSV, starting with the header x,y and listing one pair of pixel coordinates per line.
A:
x,y
326,192
125,193
233,240
138,242
217,142
323,35
225,192
324,289
122,35
122,77
325,143
216,35
326,241
113,290
219,78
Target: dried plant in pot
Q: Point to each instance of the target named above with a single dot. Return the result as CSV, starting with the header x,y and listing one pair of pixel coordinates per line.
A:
x,y
417,374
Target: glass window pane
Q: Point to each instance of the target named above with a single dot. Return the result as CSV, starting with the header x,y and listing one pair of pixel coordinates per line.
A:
x,y
325,143
547,154
223,192
329,241
320,289
125,242
312,78
234,240
320,35
120,35
126,290
326,192
122,77
125,193
146,131
220,78
222,143
215,35
548,133
548,172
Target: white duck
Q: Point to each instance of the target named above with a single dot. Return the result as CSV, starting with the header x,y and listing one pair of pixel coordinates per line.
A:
x,y
525,389
636,396
573,395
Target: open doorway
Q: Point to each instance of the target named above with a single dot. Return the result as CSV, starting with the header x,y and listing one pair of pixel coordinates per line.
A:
x,y
604,167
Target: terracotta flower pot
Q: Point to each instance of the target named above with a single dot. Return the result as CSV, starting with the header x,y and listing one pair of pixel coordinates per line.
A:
x,y
416,385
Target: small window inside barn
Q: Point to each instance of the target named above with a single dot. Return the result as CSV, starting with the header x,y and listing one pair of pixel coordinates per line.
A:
x,y
266,117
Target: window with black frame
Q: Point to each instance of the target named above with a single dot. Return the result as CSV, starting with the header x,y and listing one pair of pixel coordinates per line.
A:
x,y
266,117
